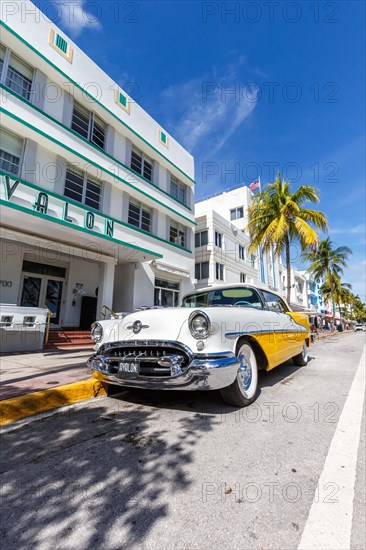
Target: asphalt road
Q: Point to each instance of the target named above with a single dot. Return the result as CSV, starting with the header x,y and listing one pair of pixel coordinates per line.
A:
x,y
184,471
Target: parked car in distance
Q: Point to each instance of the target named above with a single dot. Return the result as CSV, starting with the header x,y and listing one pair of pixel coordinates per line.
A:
x,y
217,340
359,326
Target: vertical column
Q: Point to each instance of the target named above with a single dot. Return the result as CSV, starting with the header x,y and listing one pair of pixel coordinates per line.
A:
x,y
106,285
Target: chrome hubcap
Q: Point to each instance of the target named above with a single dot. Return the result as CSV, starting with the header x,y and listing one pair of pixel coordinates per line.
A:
x,y
245,372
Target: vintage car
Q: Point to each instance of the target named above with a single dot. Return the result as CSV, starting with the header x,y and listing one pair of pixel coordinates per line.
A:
x,y
217,340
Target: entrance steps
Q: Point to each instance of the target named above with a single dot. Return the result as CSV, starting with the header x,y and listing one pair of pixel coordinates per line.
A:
x,y
68,338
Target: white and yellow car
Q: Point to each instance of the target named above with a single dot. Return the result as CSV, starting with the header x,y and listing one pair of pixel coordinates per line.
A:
x,y
218,339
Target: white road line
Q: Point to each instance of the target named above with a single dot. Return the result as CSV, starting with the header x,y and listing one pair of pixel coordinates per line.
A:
x,y
329,524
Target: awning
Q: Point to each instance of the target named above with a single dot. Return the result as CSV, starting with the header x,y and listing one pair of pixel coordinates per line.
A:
x,y
160,266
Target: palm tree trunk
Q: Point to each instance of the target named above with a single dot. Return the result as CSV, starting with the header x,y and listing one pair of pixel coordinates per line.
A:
x,y
288,267
333,304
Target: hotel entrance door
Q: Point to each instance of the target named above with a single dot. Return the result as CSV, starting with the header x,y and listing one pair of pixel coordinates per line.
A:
x,y
43,289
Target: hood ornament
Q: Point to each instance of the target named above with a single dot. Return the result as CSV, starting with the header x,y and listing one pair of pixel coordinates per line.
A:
x,y
137,326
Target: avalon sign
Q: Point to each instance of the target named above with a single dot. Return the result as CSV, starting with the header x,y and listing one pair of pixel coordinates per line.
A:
x,y
37,201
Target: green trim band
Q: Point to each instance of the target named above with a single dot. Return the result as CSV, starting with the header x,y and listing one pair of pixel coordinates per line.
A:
x,y
87,209
88,231
50,138
71,131
93,98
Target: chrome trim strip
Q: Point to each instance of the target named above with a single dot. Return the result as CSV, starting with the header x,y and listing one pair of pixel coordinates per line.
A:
x,y
231,335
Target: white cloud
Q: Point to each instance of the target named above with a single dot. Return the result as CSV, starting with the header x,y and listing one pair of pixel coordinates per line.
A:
x,y
75,18
353,230
206,111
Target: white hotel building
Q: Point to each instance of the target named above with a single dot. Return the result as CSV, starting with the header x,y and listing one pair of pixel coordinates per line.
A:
x,y
222,256
97,199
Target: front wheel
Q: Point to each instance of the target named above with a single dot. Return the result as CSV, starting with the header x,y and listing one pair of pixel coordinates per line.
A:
x,y
301,359
243,391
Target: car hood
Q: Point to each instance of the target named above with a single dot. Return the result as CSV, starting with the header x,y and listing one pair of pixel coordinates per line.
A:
x,y
156,324
171,324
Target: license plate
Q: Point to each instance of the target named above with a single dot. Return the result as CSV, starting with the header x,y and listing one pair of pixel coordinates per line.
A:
x,y
129,368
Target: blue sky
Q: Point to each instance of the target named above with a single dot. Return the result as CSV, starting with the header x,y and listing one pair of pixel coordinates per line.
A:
x,y
248,89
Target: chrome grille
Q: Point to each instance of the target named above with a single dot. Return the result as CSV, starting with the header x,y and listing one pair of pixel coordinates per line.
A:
x,y
155,360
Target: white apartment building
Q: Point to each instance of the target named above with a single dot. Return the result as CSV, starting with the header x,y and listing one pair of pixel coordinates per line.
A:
x,y
97,198
222,245
222,255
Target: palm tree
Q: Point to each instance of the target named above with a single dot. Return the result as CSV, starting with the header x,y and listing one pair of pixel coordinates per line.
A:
x,y
277,217
327,262
341,291
358,309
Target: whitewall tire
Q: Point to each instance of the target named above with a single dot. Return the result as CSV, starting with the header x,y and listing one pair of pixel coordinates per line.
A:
x,y
243,391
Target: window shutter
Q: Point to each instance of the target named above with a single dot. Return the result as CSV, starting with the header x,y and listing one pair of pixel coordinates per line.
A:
x,y
22,68
2,52
10,143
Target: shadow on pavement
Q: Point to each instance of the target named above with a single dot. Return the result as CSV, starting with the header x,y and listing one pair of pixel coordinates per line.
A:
x,y
83,476
279,375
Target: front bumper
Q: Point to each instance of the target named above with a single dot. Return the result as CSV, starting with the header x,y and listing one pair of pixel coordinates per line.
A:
x,y
210,371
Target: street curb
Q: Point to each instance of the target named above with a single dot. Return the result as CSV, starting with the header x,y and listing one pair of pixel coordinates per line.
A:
x,y
331,334
30,404
323,336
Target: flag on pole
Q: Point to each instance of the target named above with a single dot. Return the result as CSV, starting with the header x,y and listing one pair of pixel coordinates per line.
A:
x,y
255,185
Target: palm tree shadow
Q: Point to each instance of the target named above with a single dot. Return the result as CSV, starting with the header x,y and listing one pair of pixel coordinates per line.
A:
x,y
199,402
95,476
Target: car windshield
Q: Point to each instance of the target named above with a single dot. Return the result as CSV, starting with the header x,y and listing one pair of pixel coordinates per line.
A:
x,y
240,297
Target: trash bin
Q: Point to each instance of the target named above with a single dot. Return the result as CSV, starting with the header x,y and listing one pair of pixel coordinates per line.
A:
x,y
340,328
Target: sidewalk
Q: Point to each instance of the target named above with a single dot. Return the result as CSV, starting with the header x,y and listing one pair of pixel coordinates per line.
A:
x,y
25,373
32,383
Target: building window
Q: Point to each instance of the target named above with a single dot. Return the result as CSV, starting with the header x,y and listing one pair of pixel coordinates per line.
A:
x,y
166,293
219,272
241,252
201,239
16,74
177,234
141,164
11,148
237,213
218,239
178,190
243,277
139,216
202,270
2,59
88,125
252,260
80,187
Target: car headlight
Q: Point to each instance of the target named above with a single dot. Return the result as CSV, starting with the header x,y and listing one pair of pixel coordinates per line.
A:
x,y
199,324
96,332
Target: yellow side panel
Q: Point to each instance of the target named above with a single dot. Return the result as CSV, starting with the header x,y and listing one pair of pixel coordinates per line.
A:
x,y
281,346
300,318
268,344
